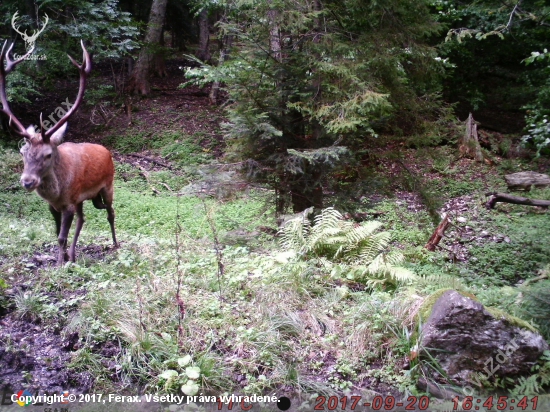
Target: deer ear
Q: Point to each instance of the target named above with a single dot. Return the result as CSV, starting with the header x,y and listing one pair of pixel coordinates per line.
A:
x,y
57,137
24,145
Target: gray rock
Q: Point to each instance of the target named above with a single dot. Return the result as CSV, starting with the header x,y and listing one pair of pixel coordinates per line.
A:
x,y
240,237
470,343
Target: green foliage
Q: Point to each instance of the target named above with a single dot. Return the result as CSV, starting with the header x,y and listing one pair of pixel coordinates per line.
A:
x,y
186,379
535,305
175,146
333,73
485,60
536,383
538,132
30,306
538,127
346,251
21,87
111,32
96,95
107,32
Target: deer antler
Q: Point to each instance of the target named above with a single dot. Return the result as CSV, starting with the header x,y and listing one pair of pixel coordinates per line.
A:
x,y
85,68
4,71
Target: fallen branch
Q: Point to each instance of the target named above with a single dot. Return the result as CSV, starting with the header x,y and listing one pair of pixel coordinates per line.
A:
x,y
150,159
532,280
506,198
145,174
438,234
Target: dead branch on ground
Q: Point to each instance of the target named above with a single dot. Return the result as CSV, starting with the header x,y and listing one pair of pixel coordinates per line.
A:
x,y
517,200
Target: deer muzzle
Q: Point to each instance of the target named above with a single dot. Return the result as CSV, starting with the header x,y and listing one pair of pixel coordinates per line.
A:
x,y
30,182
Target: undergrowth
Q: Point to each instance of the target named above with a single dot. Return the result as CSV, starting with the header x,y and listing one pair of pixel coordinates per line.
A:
x,y
324,309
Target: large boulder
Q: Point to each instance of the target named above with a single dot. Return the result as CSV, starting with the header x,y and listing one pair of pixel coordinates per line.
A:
x,y
473,345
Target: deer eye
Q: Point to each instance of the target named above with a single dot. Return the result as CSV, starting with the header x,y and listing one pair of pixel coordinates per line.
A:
x,y
48,156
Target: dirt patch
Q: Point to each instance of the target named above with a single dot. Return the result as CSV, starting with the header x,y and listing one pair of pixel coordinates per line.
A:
x,y
35,358
47,255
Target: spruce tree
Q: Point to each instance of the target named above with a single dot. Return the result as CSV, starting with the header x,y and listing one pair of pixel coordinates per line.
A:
x,y
305,79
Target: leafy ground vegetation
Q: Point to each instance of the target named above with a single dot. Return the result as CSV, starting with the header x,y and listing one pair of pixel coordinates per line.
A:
x,y
262,107
201,297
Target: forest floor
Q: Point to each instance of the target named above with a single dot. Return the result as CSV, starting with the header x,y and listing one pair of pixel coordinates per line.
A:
x,y
109,323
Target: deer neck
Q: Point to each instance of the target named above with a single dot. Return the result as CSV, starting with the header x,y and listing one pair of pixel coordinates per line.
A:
x,y
51,185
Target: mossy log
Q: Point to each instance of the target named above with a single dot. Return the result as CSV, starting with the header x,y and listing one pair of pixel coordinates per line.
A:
x,y
524,180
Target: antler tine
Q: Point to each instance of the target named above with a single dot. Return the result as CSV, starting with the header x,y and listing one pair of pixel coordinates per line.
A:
x,y
43,130
10,65
85,68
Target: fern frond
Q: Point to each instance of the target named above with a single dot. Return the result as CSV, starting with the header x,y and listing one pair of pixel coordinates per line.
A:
x,y
442,281
527,386
345,250
294,233
328,217
394,257
362,233
372,247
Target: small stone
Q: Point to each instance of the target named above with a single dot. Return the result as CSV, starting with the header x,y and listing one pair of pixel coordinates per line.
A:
x,y
461,219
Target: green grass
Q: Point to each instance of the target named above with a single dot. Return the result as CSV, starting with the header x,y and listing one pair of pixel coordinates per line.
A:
x,y
180,148
267,322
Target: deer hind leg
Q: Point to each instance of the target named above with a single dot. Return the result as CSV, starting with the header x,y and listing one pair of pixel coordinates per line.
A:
x,y
98,201
79,223
66,220
107,195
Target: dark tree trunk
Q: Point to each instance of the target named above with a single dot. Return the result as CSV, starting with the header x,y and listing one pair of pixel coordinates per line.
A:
x,y
305,195
139,81
203,53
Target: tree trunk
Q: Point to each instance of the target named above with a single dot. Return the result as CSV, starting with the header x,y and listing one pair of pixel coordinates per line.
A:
x,y
469,146
224,53
203,53
139,81
274,36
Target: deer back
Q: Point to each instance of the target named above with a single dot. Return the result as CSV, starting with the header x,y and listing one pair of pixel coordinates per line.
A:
x,y
86,169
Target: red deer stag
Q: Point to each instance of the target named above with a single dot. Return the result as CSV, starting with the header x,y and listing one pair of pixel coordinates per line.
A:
x,y
67,174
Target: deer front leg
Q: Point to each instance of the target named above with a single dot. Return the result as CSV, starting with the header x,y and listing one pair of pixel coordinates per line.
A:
x,y
57,217
66,220
79,223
